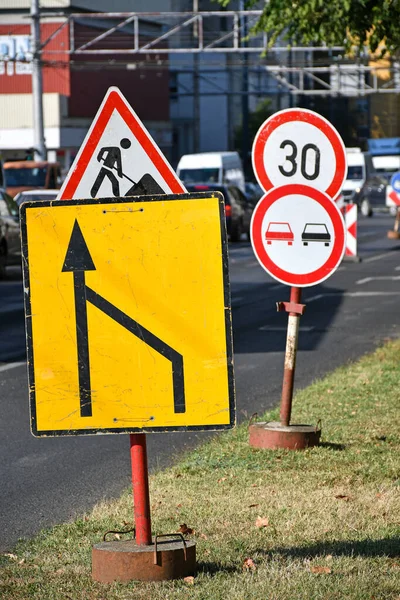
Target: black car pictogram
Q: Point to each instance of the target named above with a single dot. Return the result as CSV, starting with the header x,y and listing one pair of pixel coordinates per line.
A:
x,y
315,232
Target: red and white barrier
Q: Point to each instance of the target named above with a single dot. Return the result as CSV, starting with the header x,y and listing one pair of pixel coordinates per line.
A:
x,y
349,212
394,197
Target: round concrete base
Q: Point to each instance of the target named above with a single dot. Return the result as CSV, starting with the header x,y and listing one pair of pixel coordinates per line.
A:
x,y
273,435
126,561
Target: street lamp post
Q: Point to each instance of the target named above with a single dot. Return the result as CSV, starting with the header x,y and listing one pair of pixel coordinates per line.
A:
x,y
39,145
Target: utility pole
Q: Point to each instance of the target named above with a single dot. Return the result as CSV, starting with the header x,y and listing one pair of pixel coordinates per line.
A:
x,y
196,85
245,94
39,145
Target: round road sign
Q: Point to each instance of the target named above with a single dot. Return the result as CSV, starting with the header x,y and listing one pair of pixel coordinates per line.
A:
x,y
298,235
395,182
299,146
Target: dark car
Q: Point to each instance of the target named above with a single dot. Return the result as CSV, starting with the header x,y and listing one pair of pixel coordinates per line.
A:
x,y
238,208
10,245
372,194
253,191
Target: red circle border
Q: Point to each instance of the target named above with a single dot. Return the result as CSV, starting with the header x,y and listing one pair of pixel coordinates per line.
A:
x,y
328,268
304,116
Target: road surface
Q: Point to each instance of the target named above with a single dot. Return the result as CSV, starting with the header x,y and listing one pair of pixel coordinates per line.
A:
x,y
46,481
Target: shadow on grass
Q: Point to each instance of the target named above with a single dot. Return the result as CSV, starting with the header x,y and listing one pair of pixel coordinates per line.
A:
x,y
332,446
368,548
213,568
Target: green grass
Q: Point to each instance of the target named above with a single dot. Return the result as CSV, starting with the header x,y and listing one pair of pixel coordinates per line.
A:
x,y
333,512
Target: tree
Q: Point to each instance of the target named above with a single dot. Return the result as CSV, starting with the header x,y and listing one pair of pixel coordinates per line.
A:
x,y
256,119
349,23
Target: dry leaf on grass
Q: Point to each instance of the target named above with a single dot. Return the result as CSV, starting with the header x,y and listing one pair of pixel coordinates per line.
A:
x,y
321,570
221,479
185,530
189,580
10,555
249,565
253,505
342,497
262,522
203,536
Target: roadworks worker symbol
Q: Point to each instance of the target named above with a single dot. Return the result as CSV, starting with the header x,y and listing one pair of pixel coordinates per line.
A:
x,y
110,157
128,315
118,157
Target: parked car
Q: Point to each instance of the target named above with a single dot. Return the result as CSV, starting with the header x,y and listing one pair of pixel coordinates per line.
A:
x,y
238,208
10,245
372,194
34,195
23,175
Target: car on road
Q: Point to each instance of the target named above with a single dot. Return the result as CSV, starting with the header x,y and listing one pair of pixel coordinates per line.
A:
x,y
35,195
278,231
238,208
253,191
372,194
10,245
315,232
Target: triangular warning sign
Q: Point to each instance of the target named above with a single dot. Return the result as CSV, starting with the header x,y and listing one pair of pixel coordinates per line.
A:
x,y
118,157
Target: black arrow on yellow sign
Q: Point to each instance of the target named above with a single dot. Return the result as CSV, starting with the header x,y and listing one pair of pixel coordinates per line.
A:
x,y
77,261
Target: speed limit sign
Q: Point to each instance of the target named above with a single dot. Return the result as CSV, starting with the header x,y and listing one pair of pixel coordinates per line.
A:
x,y
298,146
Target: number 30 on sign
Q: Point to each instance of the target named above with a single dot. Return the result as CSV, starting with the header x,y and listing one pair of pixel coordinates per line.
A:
x,y
298,146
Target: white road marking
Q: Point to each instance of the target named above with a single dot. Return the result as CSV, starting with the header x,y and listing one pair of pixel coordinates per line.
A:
x,y
374,258
378,278
351,295
316,297
277,286
11,365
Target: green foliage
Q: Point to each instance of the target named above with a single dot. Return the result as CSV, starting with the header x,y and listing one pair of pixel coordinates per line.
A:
x,y
256,119
334,22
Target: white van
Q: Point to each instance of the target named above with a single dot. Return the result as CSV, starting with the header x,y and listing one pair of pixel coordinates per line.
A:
x,y
359,166
212,167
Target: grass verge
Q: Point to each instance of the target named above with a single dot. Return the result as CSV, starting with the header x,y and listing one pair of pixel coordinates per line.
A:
x,y
270,525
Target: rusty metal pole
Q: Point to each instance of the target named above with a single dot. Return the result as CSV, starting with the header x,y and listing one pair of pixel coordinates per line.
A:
x,y
290,358
168,556
140,485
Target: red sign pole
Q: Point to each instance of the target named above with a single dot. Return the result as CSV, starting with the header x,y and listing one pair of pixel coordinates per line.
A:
x,y
290,355
140,485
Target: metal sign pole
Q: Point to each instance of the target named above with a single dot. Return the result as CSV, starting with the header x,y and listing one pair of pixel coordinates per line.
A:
x,y
281,434
290,357
140,485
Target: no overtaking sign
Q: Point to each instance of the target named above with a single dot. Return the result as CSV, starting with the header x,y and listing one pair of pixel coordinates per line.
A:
x,y
297,231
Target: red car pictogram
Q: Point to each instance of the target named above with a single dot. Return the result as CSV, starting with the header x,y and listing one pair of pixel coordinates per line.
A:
x,y
279,232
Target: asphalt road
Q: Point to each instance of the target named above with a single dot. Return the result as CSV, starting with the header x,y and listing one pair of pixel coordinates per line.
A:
x,y
46,481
